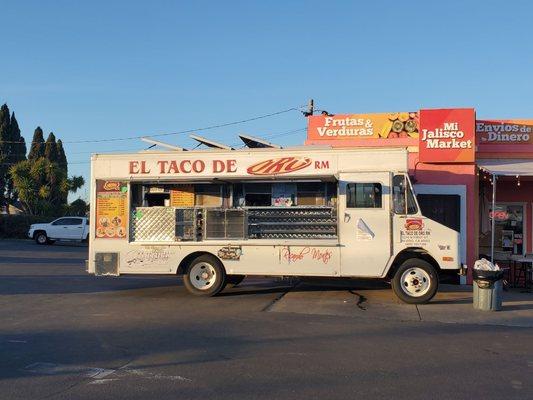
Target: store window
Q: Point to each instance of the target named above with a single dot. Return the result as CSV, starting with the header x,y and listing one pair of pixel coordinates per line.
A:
x,y
136,195
363,195
311,194
283,194
208,195
157,196
258,194
403,197
177,195
509,227
316,193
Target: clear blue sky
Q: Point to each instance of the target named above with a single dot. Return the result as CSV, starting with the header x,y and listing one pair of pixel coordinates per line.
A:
x,y
93,70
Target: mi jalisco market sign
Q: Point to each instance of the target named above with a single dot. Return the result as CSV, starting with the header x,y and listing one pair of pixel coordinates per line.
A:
x,y
447,135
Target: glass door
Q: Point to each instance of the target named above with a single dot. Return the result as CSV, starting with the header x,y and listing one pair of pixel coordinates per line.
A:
x,y
509,231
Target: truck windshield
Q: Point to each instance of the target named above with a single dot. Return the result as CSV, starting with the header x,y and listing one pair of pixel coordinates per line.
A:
x,y
404,200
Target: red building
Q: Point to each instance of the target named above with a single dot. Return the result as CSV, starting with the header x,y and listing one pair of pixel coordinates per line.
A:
x,y
452,159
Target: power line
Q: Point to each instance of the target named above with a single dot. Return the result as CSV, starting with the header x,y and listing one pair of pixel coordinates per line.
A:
x,y
285,133
173,133
274,135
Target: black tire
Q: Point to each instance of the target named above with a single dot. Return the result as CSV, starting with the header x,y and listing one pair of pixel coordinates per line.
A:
x,y
235,280
40,238
213,282
415,281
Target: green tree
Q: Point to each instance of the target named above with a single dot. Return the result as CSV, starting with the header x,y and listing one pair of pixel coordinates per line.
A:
x,y
78,208
62,161
5,138
18,148
43,185
12,150
17,152
61,156
50,148
37,145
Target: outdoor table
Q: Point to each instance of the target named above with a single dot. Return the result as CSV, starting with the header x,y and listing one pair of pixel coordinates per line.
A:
x,y
528,263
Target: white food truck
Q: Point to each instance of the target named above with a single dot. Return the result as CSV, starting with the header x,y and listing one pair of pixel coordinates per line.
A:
x,y
217,215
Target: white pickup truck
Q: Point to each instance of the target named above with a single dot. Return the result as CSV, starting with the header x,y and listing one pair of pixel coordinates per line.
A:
x,y
64,228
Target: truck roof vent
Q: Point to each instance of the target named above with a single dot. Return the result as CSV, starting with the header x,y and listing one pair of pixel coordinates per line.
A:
x,y
257,143
210,143
154,142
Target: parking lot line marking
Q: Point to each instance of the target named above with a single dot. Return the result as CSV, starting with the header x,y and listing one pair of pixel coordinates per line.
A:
x,y
65,369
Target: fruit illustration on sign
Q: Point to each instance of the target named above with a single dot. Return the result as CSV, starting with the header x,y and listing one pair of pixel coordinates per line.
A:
x,y
397,126
393,116
410,126
403,116
400,125
387,126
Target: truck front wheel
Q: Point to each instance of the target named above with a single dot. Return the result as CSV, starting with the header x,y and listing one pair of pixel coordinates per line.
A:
x,y
205,276
41,238
415,281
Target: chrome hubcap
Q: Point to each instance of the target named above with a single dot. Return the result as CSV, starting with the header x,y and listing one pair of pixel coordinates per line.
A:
x,y
203,276
415,282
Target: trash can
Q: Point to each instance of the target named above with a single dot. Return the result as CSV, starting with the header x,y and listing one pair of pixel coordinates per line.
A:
x,y
487,290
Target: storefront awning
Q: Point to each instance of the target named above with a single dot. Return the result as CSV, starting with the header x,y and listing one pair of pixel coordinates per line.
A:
x,y
508,167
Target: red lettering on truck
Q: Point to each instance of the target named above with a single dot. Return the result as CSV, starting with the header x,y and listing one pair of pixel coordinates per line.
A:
x,y
277,166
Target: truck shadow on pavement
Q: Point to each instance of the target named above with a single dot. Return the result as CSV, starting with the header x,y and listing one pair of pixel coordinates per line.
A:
x,y
300,286
54,284
39,260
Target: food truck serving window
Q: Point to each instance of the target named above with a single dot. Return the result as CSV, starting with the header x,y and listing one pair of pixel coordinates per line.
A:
x,y
403,195
284,194
176,195
208,195
363,195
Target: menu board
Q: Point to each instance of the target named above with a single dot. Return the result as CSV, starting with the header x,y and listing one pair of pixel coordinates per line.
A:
x,y
111,209
182,197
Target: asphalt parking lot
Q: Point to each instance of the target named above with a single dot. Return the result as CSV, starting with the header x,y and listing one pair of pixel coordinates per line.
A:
x,y
67,335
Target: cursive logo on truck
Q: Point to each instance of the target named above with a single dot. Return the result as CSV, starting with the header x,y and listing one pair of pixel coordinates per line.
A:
x,y
278,166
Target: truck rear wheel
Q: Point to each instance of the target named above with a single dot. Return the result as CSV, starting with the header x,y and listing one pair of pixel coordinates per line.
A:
x,y
205,276
415,281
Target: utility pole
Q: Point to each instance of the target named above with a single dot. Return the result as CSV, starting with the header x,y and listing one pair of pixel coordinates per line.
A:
x,y
310,109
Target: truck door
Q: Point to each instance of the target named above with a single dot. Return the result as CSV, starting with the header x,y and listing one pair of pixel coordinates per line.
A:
x,y
364,223
76,229
57,228
66,228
